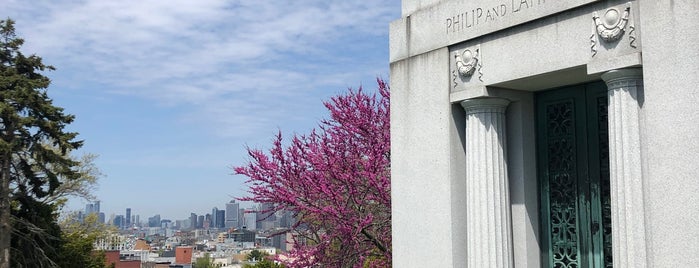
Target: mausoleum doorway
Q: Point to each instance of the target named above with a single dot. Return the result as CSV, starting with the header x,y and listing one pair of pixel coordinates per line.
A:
x,y
573,176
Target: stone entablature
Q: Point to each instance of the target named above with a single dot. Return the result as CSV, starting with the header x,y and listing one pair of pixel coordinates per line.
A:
x,y
579,37
452,22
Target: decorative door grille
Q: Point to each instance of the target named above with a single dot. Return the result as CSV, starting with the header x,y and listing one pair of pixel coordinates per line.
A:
x,y
573,157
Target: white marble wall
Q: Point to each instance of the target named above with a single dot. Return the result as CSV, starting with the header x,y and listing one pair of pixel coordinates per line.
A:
x,y
670,131
421,147
428,138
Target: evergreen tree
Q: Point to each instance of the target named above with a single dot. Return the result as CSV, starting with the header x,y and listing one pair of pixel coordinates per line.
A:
x,y
36,235
30,170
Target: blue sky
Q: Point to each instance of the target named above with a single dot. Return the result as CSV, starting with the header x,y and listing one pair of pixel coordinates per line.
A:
x,y
169,93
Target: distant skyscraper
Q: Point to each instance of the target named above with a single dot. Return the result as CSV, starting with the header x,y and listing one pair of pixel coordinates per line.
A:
x,y
92,208
285,220
119,221
214,216
208,221
154,221
220,218
89,208
265,216
193,220
266,212
232,214
241,216
128,218
250,220
200,221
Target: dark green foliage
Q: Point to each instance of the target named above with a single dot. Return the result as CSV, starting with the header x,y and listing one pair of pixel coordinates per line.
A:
x,y
77,251
261,260
33,156
77,242
36,236
29,121
204,262
255,255
264,263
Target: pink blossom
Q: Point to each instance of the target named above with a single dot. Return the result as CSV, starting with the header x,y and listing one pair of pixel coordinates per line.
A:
x,y
336,182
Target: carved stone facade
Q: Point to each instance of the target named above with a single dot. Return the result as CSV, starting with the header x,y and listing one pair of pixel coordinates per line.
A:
x,y
611,26
471,82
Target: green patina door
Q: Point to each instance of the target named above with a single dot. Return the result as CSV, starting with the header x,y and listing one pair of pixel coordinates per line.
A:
x,y
573,168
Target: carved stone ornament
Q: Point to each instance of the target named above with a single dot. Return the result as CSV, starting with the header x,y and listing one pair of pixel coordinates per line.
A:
x,y
466,62
611,26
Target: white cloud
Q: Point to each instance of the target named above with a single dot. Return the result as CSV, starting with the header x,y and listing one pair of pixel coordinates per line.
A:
x,y
226,59
228,73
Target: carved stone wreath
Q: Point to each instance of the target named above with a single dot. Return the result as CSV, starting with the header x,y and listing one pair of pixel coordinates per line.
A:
x,y
466,62
611,27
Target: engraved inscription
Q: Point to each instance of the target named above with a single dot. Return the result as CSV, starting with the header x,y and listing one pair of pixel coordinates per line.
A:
x,y
475,16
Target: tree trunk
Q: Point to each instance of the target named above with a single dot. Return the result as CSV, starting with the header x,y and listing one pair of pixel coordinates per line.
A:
x,y
5,224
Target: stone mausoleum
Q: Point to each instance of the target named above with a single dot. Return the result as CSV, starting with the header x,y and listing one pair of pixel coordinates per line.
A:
x,y
545,133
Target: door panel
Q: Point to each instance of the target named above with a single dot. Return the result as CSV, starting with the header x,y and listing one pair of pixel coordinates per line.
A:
x,y
572,142
599,173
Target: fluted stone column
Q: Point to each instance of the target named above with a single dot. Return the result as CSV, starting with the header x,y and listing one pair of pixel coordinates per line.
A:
x,y
626,180
489,227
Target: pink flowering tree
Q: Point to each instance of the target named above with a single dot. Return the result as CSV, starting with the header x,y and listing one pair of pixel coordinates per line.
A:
x,y
336,182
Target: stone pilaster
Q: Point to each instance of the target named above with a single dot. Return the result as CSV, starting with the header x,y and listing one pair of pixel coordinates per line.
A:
x,y
626,180
489,227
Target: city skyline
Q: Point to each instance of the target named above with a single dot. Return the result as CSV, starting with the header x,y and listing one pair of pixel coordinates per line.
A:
x,y
170,94
130,213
